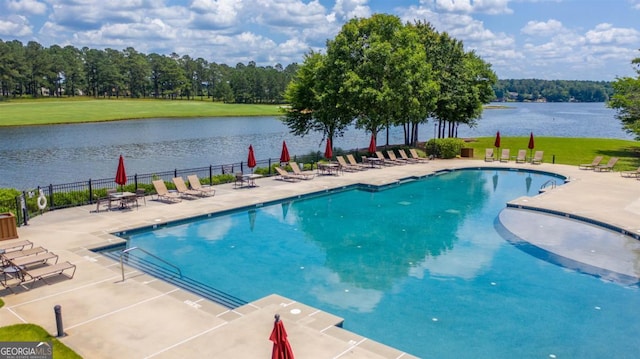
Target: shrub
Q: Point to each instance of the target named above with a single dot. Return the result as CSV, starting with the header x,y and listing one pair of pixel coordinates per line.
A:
x,y
444,147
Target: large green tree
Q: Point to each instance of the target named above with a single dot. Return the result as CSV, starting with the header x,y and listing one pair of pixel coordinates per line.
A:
x,y
626,100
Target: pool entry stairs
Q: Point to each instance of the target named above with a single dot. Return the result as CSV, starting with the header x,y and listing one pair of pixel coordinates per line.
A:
x,y
160,268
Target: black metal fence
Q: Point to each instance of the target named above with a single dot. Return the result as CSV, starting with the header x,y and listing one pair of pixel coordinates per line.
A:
x,y
33,202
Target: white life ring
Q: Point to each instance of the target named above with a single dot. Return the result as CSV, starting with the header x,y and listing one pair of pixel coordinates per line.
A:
x,y
42,201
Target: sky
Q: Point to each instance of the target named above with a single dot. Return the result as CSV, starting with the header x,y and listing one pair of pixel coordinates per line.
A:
x,y
542,39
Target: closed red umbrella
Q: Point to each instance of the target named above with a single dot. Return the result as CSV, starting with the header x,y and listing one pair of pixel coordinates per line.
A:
x,y
121,174
284,155
281,347
251,160
372,144
497,142
328,152
531,145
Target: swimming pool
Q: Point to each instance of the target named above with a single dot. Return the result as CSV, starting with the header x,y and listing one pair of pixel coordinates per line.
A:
x,y
418,266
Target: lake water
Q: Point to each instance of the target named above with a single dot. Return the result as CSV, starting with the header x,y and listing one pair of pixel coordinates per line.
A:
x,y
39,155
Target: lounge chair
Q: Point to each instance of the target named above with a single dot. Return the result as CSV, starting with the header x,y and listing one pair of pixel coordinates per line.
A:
x,y
488,155
41,273
353,162
392,157
385,161
35,259
589,166
635,173
15,246
522,156
405,157
303,175
8,257
163,193
286,176
504,157
195,184
608,167
537,157
414,154
181,187
345,166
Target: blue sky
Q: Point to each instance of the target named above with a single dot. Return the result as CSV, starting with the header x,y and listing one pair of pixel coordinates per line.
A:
x,y
544,39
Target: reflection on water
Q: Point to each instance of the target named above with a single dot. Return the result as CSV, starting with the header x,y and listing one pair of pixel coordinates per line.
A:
x,y
40,155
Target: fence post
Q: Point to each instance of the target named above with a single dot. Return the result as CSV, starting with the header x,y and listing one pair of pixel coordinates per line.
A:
x,y
242,166
90,192
269,166
51,196
135,180
211,174
175,172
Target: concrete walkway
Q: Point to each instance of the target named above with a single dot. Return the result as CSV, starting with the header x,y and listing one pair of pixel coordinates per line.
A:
x,y
143,317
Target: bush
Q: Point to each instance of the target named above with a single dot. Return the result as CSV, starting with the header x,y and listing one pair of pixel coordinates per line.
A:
x,y
444,147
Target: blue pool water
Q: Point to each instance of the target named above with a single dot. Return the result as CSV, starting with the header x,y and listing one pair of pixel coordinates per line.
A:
x,y
417,266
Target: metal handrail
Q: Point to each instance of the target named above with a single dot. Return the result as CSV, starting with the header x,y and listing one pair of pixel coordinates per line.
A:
x,y
126,251
551,182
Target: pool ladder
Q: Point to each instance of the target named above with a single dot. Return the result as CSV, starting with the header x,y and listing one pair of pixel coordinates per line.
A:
x,y
550,183
126,251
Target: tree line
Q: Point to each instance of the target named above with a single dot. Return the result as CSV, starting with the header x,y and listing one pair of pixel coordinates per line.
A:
x,y
552,91
35,70
378,73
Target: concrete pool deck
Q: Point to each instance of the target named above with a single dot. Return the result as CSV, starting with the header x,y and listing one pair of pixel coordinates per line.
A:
x,y
143,317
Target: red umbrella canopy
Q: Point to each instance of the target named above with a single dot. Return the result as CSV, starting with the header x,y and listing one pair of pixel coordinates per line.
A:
x,y
497,143
372,144
281,346
531,143
284,155
121,174
251,160
328,152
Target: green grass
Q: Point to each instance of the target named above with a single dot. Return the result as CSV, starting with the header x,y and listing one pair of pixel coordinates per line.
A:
x,y
83,109
34,333
569,151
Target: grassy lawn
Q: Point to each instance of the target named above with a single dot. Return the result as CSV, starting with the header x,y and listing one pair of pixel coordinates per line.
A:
x,y
34,333
570,151
82,109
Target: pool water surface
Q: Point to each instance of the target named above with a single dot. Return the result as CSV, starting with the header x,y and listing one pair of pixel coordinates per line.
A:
x,y
417,266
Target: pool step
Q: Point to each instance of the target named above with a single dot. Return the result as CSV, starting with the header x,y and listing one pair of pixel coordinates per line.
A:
x,y
174,278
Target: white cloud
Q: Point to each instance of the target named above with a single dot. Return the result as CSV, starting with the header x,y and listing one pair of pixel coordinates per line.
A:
x,y
542,28
348,9
606,33
492,7
213,14
14,26
27,6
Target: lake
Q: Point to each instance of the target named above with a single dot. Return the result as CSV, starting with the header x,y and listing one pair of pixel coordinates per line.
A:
x,y
41,155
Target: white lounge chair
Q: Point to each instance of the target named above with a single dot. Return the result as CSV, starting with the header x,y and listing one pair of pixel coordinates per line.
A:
x,y
488,155
195,184
298,172
504,157
41,273
163,193
286,176
537,158
608,167
589,166
181,187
